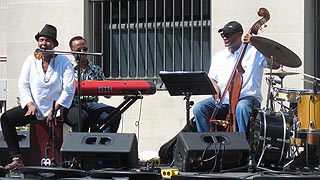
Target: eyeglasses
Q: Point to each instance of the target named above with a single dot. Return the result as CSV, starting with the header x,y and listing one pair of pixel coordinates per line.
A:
x,y
227,35
81,50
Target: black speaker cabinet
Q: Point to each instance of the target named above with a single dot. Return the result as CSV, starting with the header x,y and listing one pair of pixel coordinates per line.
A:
x,y
100,150
24,143
210,151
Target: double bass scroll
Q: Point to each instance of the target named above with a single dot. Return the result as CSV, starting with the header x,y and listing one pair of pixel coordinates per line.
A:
x,y
234,84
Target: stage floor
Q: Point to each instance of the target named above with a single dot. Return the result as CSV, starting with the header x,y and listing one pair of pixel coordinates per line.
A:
x,y
38,172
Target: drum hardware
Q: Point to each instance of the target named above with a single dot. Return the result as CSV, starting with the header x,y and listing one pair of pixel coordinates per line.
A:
x,y
267,146
272,138
312,97
308,81
272,80
312,124
282,94
264,138
288,141
280,140
298,124
314,82
311,76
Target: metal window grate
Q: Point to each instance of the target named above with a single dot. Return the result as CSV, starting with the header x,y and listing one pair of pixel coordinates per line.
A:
x,y
142,37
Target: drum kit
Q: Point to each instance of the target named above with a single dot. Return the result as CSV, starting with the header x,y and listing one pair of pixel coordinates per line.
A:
x,y
276,134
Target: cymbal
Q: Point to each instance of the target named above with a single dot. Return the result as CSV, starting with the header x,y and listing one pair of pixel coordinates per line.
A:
x,y
280,53
282,73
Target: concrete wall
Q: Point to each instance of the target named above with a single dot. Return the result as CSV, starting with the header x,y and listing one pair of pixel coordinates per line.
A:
x,y
162,116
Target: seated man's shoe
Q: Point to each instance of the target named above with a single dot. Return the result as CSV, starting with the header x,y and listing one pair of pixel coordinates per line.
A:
x,y
16,164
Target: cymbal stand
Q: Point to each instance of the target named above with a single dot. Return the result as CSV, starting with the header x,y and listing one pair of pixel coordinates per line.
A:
x,y
269,87
281,77
281,85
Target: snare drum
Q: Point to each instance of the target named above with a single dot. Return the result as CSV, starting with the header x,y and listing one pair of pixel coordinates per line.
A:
x,y
287,94
309,112
271,137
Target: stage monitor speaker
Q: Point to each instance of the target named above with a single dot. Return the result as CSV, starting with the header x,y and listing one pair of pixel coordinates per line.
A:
x,y
100,150
24,143
210,151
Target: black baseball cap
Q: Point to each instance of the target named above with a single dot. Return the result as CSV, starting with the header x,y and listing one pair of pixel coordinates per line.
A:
x,y
231,27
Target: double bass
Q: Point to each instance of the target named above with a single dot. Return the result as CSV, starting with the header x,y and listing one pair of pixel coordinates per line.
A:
x,y
234,84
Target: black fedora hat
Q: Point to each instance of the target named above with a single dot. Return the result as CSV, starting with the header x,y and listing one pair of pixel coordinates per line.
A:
x,y
48,31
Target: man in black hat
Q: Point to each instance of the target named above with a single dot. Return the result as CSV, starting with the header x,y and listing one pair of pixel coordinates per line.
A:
x,y
222,65
44,78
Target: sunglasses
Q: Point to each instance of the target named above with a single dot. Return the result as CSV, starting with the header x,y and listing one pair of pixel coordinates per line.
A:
x,y
81,50
227,35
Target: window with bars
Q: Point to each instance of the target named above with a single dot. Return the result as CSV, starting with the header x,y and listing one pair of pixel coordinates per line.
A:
x,y
139,38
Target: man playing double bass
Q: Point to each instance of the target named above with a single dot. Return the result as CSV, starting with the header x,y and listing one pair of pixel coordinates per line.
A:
x,y
222,65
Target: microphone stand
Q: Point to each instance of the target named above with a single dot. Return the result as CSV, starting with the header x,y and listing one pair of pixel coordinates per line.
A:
x,y
78,55
78,61
52,119
46,161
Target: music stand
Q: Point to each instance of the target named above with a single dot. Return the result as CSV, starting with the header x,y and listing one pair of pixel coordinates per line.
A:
x,y
187,83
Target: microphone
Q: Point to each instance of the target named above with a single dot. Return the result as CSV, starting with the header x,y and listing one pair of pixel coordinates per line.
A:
x,y
38,50
38,53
